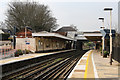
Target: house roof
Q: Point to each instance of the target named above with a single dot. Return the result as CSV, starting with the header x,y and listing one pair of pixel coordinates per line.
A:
x,y
43,34
21,34
66,29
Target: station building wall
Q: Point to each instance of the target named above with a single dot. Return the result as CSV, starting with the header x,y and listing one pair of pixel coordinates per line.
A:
x,y
40,43
21,44
48,43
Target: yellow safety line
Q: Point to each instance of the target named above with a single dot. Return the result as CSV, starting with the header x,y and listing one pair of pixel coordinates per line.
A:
x,y
85,75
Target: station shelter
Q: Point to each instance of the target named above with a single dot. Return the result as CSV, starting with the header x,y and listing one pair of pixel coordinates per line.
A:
x,y
42,41
94,36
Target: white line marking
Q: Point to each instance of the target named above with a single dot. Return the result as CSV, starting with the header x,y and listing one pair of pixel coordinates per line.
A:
x,y
80,67
73,69
84,58
76,66
95,71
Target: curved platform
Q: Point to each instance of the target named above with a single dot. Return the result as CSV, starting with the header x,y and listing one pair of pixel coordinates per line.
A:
x,y
93,66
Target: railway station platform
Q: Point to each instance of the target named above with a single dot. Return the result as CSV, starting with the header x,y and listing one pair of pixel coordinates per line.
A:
x,y
92,66
28,56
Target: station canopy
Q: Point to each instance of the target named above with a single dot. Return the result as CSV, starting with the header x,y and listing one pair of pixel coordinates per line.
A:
x,y
93,36
47,34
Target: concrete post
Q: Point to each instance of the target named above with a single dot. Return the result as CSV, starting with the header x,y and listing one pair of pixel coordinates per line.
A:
x,y
110,38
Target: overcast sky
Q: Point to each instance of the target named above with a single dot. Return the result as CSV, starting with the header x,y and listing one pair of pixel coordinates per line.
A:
x,y
82,13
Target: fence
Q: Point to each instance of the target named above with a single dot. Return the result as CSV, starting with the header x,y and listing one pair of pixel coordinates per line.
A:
x,y
116,48
116,53
6,51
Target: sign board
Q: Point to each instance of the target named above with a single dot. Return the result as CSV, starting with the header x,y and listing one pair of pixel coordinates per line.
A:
x,y
27,43
106,32
103,33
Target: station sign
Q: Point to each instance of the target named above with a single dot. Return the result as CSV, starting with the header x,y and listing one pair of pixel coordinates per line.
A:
x,y
106,32
27,41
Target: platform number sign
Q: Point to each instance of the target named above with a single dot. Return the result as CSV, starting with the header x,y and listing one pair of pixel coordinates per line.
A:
x,y
27,41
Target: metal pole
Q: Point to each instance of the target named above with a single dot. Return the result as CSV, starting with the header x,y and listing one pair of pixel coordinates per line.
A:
x,y
25,31
25,38
102,46
103,23
14,39
103,41
110,38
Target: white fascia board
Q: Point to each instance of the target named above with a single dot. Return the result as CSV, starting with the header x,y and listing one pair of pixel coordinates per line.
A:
x,y
81,38
60,36
92,34
51,34
42,34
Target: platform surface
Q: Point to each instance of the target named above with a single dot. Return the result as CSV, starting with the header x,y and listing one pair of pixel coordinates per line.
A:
x,y
28,56
93,66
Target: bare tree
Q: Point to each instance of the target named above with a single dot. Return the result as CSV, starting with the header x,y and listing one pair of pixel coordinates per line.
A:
x,y
3,25
36,16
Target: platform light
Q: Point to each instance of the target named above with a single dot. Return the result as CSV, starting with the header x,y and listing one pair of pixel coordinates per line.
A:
x,y
110,9
103,40
101,18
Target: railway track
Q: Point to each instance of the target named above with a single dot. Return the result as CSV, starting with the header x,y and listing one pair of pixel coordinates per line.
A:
x,y
56,67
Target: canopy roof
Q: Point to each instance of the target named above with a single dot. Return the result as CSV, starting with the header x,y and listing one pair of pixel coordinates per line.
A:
x,y
47,34
93,36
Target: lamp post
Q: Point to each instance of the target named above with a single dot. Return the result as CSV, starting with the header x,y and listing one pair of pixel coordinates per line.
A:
x,y
14,38
110,9
25,31
102,21
103,36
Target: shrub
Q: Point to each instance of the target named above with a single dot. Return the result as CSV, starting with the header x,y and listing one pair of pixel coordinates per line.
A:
x,y
100,49
27,51
18,52
105,53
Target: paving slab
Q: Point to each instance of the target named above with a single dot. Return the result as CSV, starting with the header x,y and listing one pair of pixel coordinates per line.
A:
x,y
80,69
94,67
104,69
